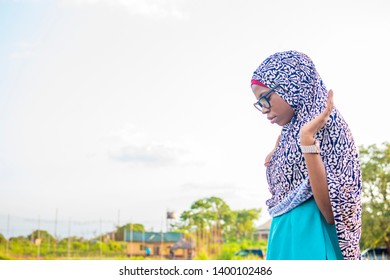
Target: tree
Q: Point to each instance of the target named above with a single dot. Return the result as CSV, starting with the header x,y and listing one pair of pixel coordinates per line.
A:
x,y
119,234
211,213
2,239
375,165
43,235
245,222
20,245
206,222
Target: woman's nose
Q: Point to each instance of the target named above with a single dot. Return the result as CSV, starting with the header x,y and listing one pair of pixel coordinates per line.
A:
x,y
264,110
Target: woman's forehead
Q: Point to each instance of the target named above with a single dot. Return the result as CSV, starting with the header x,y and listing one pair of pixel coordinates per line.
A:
x,y
259,90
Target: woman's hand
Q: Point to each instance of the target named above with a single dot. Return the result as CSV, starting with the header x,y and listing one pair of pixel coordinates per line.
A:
x,y
310,129
315,166
269,156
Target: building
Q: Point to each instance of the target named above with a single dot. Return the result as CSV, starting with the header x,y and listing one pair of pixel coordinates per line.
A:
x,y
157,244
262,232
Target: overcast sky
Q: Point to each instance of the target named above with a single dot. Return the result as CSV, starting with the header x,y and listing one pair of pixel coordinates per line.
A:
x,y
120,110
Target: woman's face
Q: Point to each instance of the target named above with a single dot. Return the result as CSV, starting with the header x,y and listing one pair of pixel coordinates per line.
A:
x,y
280,111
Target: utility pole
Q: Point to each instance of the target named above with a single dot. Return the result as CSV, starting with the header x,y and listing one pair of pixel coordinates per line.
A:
x,y
69,239
55,234
100,229
117,224
38,240
6,248
131,239
162,245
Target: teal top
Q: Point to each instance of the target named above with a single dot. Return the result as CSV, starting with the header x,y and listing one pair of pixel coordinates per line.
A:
x,y
303,234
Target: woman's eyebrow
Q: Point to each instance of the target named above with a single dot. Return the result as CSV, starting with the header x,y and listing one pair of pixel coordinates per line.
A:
x,y
263,93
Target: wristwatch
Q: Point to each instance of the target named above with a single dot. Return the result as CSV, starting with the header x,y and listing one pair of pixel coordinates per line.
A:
x,y
312,149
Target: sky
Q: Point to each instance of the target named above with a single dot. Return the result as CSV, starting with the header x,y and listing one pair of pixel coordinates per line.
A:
x,y
115,111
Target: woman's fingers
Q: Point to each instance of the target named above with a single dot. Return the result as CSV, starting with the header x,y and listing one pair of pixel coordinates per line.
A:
x,y
329,103
317,123
323,117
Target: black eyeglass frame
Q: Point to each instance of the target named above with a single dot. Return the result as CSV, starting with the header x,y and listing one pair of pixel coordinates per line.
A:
x,y
259,106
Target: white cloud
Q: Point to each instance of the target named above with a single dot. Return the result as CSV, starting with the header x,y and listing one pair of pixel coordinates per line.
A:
x,y
155,9
192,187
134,146
146,155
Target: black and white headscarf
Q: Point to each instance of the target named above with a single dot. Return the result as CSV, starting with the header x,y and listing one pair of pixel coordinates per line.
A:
x,y
302,88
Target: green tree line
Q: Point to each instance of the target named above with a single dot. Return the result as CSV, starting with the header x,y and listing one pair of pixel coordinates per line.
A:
x,y
209,221
375,164
215,226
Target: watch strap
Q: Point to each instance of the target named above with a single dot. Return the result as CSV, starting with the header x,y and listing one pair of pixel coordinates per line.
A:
x,y
312,149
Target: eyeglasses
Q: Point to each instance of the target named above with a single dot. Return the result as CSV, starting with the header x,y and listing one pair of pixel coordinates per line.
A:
x,y
264,100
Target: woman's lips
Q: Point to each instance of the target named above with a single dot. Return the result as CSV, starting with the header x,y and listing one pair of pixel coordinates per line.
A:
x,y
272,119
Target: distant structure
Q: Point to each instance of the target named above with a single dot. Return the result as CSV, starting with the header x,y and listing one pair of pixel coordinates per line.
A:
x,y
262,232
171,217
168,245
158,243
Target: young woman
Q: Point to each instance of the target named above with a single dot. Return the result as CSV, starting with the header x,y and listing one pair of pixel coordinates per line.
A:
x,y
313,172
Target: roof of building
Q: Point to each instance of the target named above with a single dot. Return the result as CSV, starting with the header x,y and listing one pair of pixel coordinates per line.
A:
x,y
266,226
140,236
184,244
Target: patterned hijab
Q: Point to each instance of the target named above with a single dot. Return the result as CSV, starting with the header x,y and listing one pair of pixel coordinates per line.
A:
x,y
302,88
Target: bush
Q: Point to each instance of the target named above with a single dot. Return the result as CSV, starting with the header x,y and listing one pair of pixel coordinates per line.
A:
x,y
2,239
